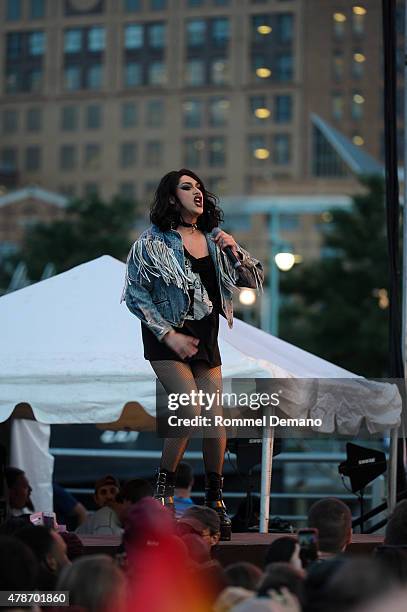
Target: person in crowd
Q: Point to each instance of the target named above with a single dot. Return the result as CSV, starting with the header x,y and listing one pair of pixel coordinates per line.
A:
x,y
394,558
106,490
333,519
95,584
68,510
18,565
184,481
109,520
50,550
202,521
279,575
396,528
230,597
179,279
285,549
356,581
243,574
18,492
74,546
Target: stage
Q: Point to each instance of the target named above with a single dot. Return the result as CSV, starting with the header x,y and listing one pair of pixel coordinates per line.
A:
x,y
250,547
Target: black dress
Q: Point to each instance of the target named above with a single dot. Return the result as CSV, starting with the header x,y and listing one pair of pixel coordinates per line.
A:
x,y
205,328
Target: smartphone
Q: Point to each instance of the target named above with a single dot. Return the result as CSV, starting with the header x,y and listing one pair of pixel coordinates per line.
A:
x,y
308,541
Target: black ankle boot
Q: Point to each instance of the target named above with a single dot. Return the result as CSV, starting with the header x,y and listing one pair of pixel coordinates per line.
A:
x,y
214,500
164,489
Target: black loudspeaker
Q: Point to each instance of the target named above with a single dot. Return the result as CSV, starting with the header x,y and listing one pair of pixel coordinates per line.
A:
x,y
248,452
362,465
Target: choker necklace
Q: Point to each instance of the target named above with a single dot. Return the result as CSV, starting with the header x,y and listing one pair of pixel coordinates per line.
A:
x,y
193,226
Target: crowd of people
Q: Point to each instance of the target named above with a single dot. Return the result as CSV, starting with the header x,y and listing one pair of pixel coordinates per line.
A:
x,y
167,563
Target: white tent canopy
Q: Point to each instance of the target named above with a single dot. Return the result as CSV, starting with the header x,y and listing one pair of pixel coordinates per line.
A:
x,y
74,353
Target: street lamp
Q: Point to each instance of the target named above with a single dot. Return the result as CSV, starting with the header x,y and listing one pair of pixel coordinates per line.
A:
x,y
280,259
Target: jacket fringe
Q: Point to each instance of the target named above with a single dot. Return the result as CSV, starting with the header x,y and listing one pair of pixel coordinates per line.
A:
x,y
163,263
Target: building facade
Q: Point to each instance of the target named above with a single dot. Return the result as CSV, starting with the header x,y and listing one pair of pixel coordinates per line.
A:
x,y
108,95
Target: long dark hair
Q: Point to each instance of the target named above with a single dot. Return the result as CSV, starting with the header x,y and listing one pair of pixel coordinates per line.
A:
x,y
165,209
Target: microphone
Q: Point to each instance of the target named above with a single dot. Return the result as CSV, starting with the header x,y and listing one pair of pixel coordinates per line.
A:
x,y
236,263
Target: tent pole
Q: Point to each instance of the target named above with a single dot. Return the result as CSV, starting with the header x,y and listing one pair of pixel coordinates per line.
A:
x,y
266,473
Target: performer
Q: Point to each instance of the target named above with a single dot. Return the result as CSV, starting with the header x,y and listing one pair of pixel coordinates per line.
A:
x,y
178,280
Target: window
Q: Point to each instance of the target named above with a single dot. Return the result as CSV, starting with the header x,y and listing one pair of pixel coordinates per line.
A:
x,y
13,10
283,108
10,121
192,111
338,65
32,158
158,5
72,78
358,64
96,38
218,111
339,25
196,32
282,149
37,9
127,190
193,149
92,156
285,23
36,43
358,24
220,31
219,71
129,114
261,28
73,40
94,77
156,73
195,72
257,149
155,113
284,66
259,109
133,36
33,119
67,157
9,158
144,54
216,151
93,116
357,105
337,106
24,58
69,118
83,67
156,35
154,153
133,75
261,66
132,6
128,153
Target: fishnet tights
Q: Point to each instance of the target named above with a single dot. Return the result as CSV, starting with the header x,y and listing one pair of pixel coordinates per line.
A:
x,y
178,377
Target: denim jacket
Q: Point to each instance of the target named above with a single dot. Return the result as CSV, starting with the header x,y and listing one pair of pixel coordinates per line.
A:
x,y
156,287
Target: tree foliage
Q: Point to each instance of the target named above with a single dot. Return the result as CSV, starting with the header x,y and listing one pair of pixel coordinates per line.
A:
x,y
90,229
334,306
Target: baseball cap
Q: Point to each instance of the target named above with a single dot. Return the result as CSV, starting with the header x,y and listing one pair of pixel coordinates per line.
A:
x,y
106,481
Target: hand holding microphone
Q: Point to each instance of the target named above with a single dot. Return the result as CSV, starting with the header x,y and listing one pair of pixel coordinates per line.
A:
x,y
228,245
